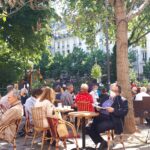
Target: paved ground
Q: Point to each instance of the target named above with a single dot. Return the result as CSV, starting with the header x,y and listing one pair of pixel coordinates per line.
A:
x,y
132,142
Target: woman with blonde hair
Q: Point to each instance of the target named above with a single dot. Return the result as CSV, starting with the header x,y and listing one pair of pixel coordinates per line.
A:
x,y
49,94
46,101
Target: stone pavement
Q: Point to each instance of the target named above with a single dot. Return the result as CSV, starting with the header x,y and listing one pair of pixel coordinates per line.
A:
x,y
132,142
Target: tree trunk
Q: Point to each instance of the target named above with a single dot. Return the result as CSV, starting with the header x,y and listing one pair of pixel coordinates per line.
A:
x,y
122,61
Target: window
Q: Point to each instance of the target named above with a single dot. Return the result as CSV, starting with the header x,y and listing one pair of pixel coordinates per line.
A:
x,y
80,43
68,51
144,56
63,44
58,45
63,52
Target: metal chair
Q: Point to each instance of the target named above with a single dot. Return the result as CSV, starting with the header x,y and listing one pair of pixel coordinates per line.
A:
x,y
13,122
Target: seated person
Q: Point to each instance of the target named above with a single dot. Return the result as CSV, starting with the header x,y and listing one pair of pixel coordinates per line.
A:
x,y
66,97
46,101
84,96
24,95
94,93
58,91
139,96
110,118
14,112
4,100
30,102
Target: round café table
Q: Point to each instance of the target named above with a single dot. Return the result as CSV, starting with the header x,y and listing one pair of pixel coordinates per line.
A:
x,y
84,115
64,110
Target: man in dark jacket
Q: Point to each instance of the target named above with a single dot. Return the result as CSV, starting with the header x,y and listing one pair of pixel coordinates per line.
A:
x,y
112,113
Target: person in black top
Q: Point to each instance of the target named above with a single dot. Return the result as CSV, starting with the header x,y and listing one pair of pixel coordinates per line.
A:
x,y
111,117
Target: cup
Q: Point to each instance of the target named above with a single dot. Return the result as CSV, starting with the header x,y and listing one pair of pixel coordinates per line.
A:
x,y
60,105
69,107
65,107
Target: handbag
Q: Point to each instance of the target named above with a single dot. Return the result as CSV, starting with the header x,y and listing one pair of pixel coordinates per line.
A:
x,y
62,129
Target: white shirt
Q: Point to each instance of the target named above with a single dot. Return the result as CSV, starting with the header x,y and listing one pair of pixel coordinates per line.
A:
x,y
95,96
139,96
30,102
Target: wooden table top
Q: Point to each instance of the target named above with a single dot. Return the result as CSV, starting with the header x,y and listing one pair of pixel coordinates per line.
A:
x,y
86,114
63,110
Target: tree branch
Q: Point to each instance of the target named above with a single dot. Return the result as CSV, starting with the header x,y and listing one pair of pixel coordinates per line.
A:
x,y
137,27
138,39
138,11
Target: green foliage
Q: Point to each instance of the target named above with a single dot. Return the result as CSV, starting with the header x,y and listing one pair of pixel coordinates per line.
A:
x,y
145,82
87,18
132,75
10,66
77,63
132,56
96,71
26,35
44,63
146,70
139,27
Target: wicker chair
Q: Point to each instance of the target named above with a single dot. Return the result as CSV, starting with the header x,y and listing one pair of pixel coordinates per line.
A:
x,y
28,127
82,106
13,122
37,116
53,123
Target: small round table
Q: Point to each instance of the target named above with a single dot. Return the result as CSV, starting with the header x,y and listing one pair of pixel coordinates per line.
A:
x,y
84,115
64,110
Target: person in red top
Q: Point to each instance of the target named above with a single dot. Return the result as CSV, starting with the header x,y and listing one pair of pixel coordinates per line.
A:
x,y
84,96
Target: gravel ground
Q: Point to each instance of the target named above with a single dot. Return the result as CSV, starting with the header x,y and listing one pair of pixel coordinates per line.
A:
x,y
132,142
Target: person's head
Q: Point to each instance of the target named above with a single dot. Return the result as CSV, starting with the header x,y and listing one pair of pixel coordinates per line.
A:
x,y
95,87
47,94
104,91
115,90
23,92
84,88
13,96
58,89
9,88
70,87
36,92
143,89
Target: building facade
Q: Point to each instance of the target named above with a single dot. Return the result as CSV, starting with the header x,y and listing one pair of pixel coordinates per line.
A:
x,y
64,42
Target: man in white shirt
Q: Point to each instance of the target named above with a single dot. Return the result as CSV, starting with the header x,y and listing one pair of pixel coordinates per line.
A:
x,y
139,96
30,102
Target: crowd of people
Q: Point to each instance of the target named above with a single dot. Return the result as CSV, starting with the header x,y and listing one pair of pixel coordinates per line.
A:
x,y
16,103
139,92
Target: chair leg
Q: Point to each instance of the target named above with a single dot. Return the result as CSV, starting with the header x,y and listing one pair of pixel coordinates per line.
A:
x,y
43,138
57,146
108,139
112,134
14,144
78,123
65,145
35,133
76,142
121,141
